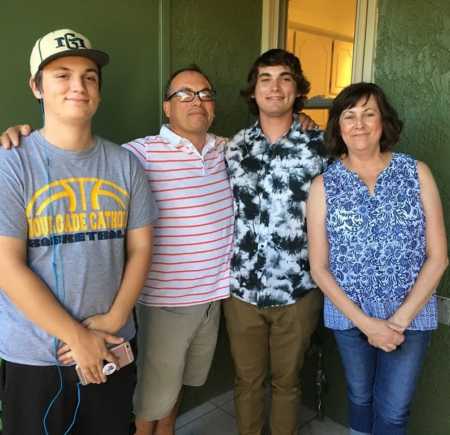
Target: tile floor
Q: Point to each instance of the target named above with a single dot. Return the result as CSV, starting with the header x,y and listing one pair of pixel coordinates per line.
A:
x,y
217,417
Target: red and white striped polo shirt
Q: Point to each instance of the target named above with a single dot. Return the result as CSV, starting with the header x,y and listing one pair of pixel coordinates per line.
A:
x,y
194,232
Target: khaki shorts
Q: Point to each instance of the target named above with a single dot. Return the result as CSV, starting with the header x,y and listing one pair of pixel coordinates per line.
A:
x,y
175,348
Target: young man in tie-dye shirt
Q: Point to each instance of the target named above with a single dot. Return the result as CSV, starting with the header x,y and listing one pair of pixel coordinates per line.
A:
x,y
275,306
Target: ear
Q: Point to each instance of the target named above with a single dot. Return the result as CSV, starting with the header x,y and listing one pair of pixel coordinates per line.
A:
x,y
166,108
34,89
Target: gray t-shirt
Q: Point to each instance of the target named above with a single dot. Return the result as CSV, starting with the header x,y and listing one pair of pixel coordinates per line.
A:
x,y
73,209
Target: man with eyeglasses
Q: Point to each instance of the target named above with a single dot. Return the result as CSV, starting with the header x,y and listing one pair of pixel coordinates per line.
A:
x,y
179,308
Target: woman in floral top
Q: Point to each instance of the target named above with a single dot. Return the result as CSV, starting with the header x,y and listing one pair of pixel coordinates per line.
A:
x,y
378,249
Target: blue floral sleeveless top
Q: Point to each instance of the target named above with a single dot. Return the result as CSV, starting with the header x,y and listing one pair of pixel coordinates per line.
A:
x,y
376,241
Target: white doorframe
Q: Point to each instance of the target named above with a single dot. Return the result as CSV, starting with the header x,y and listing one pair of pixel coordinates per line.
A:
x,y
164,7
365,41
365,34
270,25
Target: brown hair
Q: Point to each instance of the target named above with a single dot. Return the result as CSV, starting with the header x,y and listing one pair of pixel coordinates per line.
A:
x,y
348,98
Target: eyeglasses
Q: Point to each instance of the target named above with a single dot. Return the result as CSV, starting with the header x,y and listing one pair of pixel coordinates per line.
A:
x,y
188,95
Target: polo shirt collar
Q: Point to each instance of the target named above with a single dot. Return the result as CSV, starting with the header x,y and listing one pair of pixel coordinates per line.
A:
x,y
184,144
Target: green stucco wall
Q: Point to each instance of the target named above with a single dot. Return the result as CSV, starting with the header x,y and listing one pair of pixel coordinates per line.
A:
x,y
128,31
413,67
223,38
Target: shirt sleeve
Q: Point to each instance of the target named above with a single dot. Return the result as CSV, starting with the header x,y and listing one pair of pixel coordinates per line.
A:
x,y
13,222
138,149
142,209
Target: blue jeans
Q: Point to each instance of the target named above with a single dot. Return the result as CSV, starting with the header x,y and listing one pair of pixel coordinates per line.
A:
x,y
380,385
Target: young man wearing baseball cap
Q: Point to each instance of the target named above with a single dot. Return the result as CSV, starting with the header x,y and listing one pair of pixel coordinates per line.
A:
x,y
75,247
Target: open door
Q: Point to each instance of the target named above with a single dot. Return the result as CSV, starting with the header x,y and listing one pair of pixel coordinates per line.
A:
x,y
321,33
335,42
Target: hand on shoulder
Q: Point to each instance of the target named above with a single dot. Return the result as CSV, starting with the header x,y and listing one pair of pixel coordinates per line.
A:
x,y
11,136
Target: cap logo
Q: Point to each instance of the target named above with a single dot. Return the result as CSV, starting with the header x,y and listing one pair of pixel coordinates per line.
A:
x,y
60,43
70,41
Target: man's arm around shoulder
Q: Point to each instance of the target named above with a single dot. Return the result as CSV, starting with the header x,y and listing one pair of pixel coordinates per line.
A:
x,y
11,136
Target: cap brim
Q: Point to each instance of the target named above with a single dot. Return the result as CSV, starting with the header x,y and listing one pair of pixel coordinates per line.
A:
x,y
97,56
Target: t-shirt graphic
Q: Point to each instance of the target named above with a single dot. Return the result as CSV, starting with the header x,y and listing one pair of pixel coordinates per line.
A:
x,y
84,219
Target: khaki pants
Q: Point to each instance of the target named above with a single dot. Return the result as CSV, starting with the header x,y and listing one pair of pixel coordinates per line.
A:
x,y
270,337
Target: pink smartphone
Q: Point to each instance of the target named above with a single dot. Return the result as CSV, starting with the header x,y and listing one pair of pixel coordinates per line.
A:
x,y
122,352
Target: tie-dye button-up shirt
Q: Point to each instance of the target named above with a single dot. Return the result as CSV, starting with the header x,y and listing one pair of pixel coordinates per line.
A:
x,y
270,184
